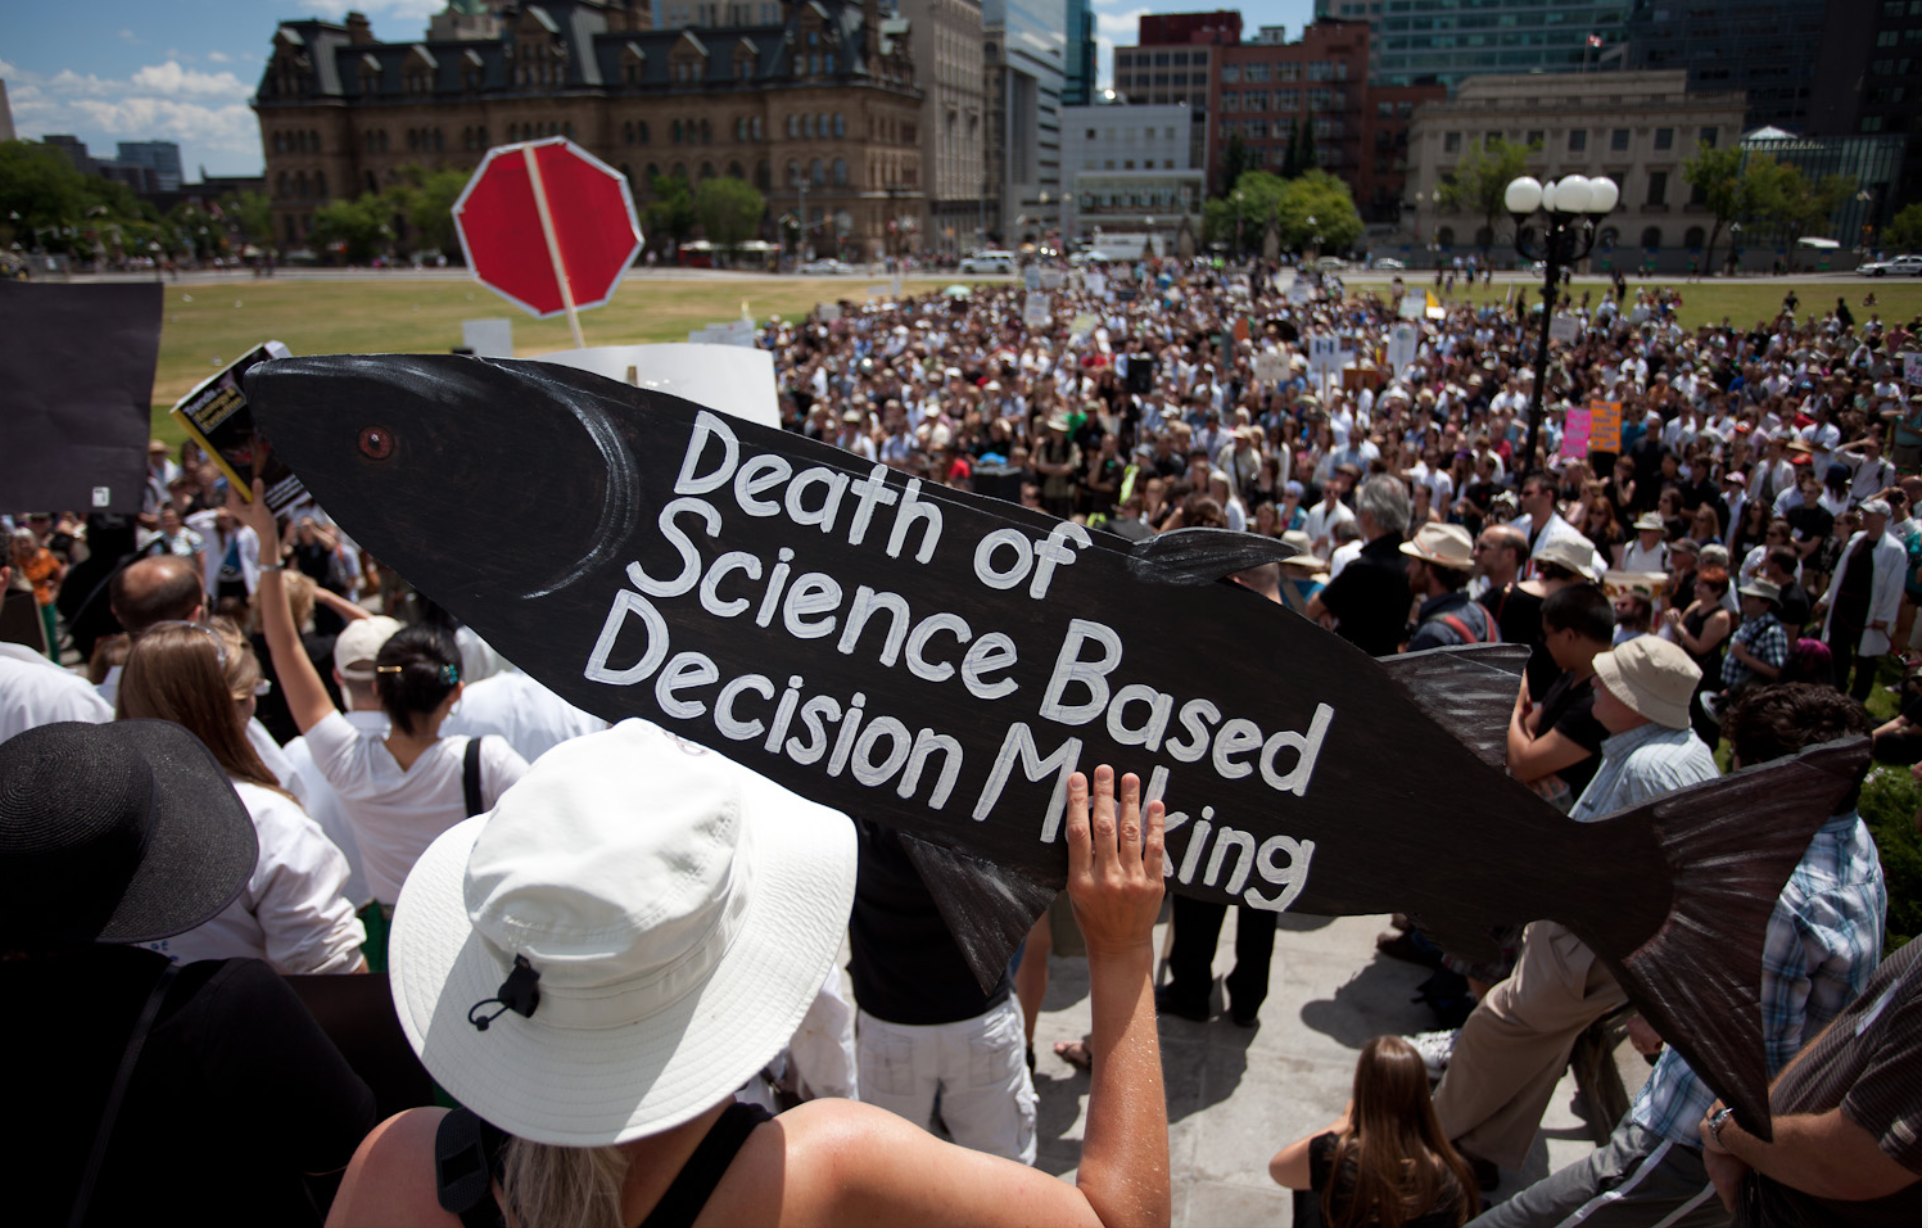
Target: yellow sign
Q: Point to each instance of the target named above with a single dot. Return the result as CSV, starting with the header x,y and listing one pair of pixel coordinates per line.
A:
x,y
1605,433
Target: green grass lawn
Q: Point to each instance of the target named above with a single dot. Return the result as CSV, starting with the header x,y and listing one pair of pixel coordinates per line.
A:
x,y
1741,303
208,326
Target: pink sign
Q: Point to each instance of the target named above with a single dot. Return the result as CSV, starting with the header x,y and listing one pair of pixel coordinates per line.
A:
x,y
1579,428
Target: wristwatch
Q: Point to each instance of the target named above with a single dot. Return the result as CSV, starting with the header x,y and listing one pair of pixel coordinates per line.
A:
x,y
1718,1120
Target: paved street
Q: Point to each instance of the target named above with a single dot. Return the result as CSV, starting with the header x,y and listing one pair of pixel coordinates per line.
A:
x,y
1236,1096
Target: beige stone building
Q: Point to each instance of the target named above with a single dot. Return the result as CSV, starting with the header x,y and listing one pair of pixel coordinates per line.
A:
x,y
947,44
1636,128
819,108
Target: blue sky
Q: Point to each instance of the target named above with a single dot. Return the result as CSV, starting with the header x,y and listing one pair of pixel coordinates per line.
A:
x,y
183,70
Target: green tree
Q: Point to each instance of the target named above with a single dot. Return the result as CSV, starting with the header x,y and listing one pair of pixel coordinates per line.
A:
x,y
728,209
1903,234
1235,162
1318,205
671,212
252,214
362,226
1242,211
1793,205
1732,186
425,200
1479,180
41,194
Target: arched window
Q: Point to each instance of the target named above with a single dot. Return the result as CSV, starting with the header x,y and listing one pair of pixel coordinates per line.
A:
x,y
705,126
314,142
301,184
791,180
763,176
790,127
838,124
569,128
823,126
321,185
1696,238
676,132
277,143
708,171
281,182
839,173
736,170
1445,236
414,139
629,133
816,172
756,127
651,172
368,178
1650,238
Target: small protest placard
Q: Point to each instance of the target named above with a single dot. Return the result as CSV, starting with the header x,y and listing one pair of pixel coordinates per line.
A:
x,y
1033,277
1577,434
829,312
217,417
1094,282
1271,368
494,338
1604,432
1412,307
1053,279
877,292
735,332
1911,366
1037,310
1083,323
1402,347
1322,354
1566,329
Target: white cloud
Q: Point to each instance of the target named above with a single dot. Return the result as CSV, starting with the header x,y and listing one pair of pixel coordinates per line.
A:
x,y
219,57
1126,23
171,78
128,36
398,9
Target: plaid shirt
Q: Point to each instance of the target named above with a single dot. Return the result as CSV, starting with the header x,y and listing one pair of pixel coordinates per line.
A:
x,y
1640,764
1766,639
1823,944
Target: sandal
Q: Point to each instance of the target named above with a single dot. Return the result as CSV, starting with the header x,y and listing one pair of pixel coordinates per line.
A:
x,y
1075,1054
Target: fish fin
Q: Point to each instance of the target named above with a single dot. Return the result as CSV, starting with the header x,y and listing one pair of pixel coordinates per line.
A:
x,y
1192,557
1729,848
988,907
1469,690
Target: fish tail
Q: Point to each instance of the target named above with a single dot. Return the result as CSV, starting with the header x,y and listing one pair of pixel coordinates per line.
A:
x,y
1728,847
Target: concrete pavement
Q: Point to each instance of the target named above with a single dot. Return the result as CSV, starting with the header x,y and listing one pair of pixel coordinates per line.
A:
x,y
1236,1095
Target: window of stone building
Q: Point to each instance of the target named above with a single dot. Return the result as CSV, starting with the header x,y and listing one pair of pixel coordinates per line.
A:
x,y
629,133
1657,188
735,170
1650,238
837,125
705,129
793,173
281,186
1452,142
1663,138
839,173
1710,136
763,176
1621,139
708,171
756,127
816,172
1576,140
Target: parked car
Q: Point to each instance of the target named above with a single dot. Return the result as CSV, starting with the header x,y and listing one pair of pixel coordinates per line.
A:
x,y
825,265
988,262
1900,266
1387,262
1328,264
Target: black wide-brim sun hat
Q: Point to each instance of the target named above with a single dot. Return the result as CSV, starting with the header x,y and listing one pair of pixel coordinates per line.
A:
x,y
122,832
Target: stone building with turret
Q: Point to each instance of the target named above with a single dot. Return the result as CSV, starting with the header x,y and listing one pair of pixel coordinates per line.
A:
x,y
815,102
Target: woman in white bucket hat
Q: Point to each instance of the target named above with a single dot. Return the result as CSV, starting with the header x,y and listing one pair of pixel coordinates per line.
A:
x,y
596,965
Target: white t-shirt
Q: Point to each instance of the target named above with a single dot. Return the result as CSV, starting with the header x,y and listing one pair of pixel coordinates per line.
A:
x,y
35,692
323,804
1639,558
292,913
397,814
515,707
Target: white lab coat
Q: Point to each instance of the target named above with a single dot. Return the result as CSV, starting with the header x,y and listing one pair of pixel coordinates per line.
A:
x,y
1890,573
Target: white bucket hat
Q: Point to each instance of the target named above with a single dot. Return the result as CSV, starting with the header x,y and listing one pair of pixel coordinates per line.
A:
x,y
677,914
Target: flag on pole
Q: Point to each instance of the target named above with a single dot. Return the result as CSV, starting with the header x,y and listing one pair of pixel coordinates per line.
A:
x,y
1594,40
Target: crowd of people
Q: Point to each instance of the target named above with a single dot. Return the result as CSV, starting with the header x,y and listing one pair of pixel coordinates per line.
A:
x,y
277,762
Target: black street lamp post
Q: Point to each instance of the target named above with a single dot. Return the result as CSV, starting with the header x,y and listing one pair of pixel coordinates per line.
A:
x,y
1570,213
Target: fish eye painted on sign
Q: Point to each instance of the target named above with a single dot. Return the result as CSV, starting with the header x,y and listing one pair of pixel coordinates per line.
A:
x,y
721,488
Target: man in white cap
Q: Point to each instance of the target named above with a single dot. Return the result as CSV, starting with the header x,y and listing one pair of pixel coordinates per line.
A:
x,y
1863,598
1649,553
1439,563
1515,1044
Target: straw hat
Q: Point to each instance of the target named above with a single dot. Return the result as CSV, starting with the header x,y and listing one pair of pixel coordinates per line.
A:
x,y
1650,522
1765,589
1448,545
1651,676
1573,553
636,929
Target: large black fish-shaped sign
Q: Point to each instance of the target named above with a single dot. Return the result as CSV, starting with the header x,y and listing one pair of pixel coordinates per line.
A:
x,y
941,662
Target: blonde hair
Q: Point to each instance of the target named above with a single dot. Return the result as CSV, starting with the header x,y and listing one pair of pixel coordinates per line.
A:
x,y
300,590
544,1186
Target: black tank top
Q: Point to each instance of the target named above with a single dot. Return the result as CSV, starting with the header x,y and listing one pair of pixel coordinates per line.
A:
x,y
468,1156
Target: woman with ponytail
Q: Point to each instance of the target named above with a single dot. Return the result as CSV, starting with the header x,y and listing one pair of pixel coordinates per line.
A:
x,y
1385,1162
403,786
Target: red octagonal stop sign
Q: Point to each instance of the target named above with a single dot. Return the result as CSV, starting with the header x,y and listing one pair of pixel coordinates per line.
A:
x,y
589,237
